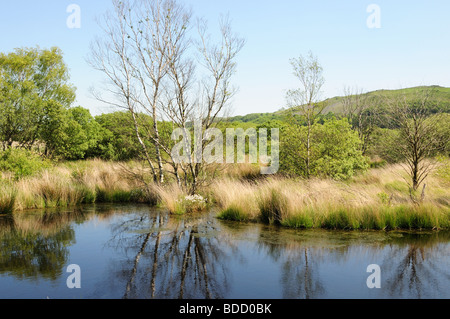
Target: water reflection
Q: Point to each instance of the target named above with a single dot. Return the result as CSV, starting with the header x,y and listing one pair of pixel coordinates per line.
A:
x,y
413,266
136,252
33,246
298,263
172,257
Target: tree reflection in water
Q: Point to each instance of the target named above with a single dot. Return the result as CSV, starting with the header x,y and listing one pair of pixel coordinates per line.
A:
x,y
417,262
299,263
171,257
151,254
35,245
414,265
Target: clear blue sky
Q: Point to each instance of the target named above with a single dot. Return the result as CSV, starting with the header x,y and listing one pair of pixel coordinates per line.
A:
x,y
411,48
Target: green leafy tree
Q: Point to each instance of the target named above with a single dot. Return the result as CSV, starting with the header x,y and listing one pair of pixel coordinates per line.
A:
x,y
337,150
91,128
32,81
118,139
63,136
334,151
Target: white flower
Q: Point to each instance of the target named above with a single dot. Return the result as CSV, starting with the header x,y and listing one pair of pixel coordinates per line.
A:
x,y
195,198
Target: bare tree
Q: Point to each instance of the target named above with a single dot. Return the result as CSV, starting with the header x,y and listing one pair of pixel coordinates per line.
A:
x,y
140,42
305,100
148,57
203,102
418,137
112,54
362,111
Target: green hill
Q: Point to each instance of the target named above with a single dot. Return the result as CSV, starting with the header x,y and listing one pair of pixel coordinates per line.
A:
x,y
442,95
335,104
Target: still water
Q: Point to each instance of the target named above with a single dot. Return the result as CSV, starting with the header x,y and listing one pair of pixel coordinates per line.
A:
x,y
139,252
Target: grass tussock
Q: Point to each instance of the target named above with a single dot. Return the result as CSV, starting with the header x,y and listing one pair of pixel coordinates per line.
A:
x,y
7,199
72,184
379,199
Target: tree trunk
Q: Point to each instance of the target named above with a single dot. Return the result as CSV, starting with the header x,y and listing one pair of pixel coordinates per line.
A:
x,y
144,148
308,150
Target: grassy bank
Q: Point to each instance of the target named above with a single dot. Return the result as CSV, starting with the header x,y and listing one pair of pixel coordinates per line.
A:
x,y
377,199
71,184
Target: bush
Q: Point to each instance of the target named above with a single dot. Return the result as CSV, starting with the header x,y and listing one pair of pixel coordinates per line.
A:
x,y
22,163
335,150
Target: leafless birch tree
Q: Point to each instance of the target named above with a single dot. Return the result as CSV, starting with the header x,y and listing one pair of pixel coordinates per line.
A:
x,y
419,139
148,55
363,112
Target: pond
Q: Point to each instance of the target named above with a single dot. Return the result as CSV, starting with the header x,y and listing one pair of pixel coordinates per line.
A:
x,y
139,252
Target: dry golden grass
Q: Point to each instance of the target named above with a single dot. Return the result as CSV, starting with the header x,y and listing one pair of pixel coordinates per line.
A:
x,y
169,196
380,198
71,184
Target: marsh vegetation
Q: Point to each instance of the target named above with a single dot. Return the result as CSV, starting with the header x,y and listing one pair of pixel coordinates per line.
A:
x,y
375,160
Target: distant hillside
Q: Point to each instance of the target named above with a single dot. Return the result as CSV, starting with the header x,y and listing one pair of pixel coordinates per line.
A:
x,y
335,104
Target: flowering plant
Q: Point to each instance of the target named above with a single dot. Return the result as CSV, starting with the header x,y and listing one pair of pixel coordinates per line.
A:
x,y
192,203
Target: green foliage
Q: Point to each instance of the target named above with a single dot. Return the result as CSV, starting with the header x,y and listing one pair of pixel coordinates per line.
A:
x,y
254,119
33,82
441,124
71,133
335,150
118,139
384,144
384,198
7,198
22,163
233,213
443,168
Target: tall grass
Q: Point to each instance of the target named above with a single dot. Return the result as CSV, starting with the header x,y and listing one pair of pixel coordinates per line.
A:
x,y
7,199
72,184
237,199
379,199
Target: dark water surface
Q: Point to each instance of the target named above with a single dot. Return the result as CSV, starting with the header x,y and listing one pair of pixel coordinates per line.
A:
x,y
140,252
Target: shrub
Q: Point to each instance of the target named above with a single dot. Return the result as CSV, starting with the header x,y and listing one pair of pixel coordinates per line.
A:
x,y
335,150
22,163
